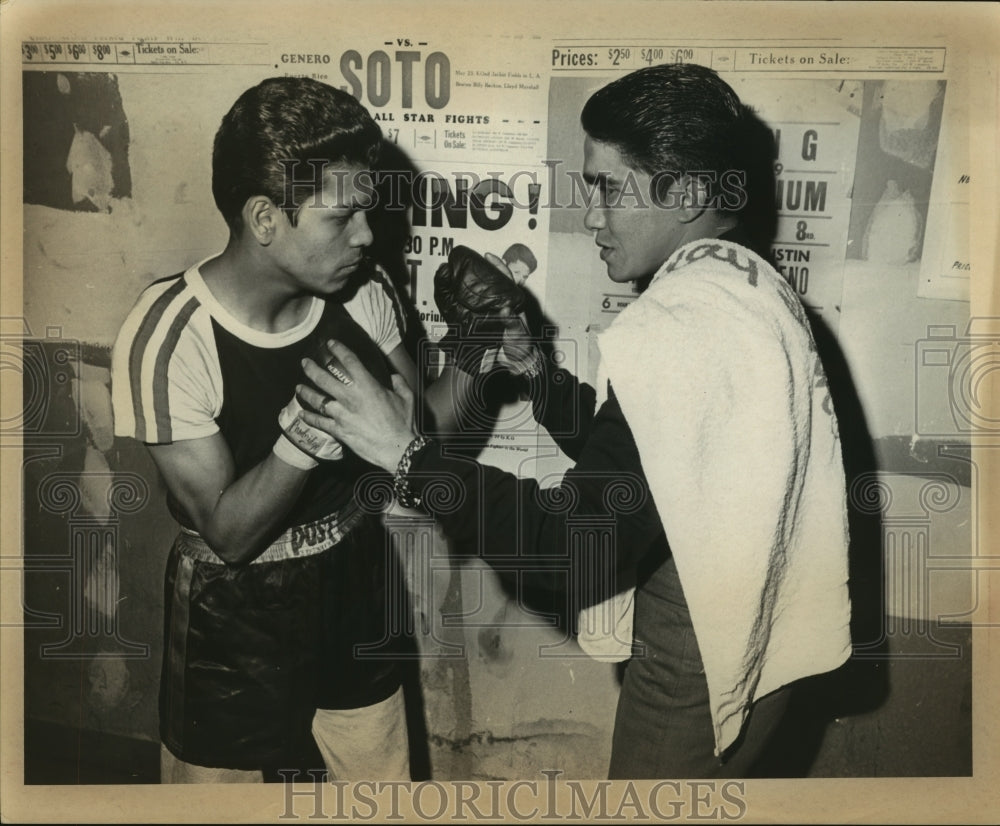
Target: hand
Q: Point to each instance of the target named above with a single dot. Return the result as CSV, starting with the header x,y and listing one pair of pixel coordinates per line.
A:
x,y
303,445
374,422
518,351
316,444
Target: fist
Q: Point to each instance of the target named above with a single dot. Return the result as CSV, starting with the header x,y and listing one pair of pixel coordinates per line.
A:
x,y
310,440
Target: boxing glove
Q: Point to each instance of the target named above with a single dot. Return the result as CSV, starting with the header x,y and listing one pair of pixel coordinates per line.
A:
x,y
479,301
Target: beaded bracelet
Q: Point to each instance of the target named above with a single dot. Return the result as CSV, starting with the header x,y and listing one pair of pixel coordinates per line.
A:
x,y
534,369
400,483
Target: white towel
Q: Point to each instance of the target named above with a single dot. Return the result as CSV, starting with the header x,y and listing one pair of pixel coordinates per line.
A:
x,y
717,374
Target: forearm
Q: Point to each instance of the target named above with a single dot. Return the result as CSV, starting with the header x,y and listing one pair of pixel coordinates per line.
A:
x,y
445,403
564,406
480,510
246,517
545,535
442,404
457,404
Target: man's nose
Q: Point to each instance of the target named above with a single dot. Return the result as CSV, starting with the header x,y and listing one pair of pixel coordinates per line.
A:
x,y
593,219
362,236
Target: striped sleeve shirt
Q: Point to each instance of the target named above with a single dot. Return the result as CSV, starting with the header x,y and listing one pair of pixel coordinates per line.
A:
x,y
167,384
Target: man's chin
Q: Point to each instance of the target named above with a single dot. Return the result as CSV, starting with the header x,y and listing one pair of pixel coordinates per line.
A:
x,y
343,285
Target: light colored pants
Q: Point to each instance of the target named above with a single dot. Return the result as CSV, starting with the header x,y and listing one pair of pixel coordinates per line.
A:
x,y
356,743
174,770
364,743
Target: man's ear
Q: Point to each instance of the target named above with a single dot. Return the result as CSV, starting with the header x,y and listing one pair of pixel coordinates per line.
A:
x,y
261,218
694,198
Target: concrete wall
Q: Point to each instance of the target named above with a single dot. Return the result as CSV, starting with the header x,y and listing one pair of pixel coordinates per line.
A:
x,y
498,695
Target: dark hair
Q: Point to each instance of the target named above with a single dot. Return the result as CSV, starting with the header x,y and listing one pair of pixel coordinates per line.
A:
x,y
281,121
671,118
522,253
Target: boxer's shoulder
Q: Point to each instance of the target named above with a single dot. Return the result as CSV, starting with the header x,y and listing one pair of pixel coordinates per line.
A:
x,y
378,306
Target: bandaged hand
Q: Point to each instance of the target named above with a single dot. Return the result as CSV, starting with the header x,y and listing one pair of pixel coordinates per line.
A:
x,y
374,421
301,444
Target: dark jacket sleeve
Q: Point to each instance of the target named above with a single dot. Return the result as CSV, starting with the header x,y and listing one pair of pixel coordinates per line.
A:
x,y
591,528
565,407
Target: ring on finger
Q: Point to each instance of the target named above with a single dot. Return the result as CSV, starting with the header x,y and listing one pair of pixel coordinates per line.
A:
x,y
326,407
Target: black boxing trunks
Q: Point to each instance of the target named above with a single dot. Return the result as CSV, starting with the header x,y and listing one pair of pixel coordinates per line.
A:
x,y
251,651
